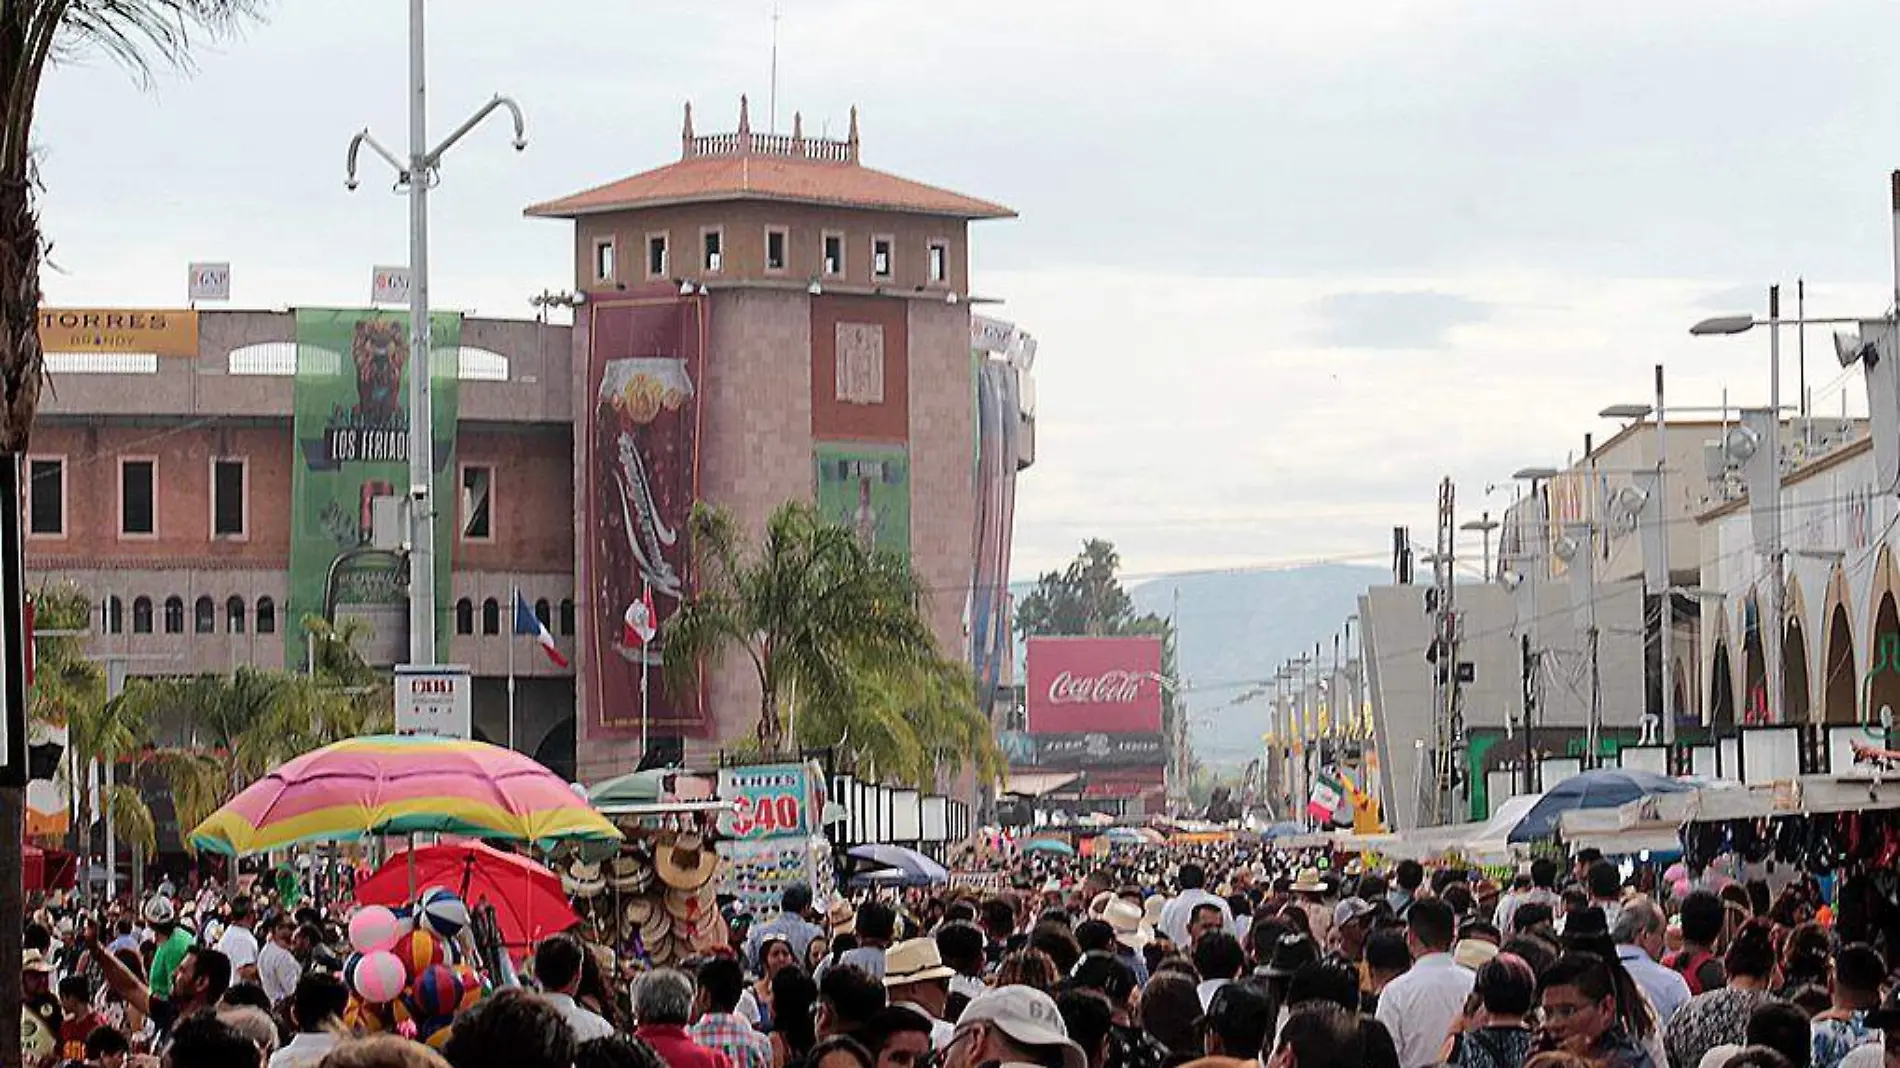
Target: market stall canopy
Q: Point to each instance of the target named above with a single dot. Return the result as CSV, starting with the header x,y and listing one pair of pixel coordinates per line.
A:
x,y
1048,845
1038,783
402,784
1601,788
644,793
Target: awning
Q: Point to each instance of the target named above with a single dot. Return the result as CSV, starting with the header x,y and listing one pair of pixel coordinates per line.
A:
x,y
1038,783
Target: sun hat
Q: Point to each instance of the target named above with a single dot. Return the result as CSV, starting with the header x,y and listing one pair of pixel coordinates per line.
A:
x,y
916,960
1028,1016
35,961
1131,928
1310,882
1352,908
160,910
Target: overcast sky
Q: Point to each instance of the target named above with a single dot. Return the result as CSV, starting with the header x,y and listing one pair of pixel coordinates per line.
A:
x,y
1290,264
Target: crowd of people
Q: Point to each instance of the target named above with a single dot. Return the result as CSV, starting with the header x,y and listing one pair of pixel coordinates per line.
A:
x,y
1206,957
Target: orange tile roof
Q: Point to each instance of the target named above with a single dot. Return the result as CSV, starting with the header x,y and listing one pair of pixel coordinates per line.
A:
x,y
752,176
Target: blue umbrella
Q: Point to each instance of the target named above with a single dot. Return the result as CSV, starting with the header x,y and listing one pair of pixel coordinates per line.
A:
x,y
907,867
1602,788
1123,834
1048,845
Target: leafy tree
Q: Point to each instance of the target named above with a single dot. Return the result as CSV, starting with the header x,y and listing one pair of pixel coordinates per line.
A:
x,y
837,640
33,33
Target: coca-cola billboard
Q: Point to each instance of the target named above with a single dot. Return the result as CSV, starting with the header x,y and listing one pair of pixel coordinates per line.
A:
x,y
1094,685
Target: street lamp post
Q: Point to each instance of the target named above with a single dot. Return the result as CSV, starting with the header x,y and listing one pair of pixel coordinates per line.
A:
x,y
1533,476
1485,526
418,173
1659,568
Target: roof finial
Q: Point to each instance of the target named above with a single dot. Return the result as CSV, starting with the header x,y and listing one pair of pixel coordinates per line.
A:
x,y
851,142
745,115
686,132
798,126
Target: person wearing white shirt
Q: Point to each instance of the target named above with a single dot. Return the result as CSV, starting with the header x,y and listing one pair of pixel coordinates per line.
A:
x,y
1192,879
1418,1007
557,966
277,967
1639,940
238,943
316,1010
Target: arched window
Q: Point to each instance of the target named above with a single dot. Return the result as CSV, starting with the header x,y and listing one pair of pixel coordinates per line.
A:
x,y
465,616
543,613
266,616
141,615
204,616
234,615
491,616
174,614
567,616
115,615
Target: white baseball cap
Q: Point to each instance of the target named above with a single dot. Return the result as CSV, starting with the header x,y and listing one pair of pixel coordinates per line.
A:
x,y
1028,1016
160,910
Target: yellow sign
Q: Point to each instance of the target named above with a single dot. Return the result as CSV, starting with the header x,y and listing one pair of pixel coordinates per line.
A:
x,y
166,333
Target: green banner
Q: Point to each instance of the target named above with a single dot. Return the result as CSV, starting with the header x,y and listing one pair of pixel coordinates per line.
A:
x,y
350,433
867,488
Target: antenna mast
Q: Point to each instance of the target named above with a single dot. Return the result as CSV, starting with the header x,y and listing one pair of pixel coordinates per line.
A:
x,y
772,117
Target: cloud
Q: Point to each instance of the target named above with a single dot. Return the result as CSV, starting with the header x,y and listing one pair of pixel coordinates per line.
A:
x,y
1416,320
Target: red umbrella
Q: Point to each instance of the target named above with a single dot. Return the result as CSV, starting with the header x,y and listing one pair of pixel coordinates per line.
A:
x,y
529,903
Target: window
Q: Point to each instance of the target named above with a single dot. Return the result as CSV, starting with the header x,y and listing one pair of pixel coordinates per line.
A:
x,y
775,241
939,263
544,614
656,255
227,499
204,616
234,615
714,241
604,259
834,254
115,615
477,517
567,616
46,496
881,257
465,616
142,615
137,494
174,614
491,616
266,616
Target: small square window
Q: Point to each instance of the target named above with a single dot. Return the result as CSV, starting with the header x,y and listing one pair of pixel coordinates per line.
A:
x,y
939,262
714,241
227,498
775,239
656,255
477,515
46,497
604,260
138,497
834,254
881,257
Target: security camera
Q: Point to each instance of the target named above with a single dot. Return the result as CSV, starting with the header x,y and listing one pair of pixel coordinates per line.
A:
x,y
521,144
350,184
1511,580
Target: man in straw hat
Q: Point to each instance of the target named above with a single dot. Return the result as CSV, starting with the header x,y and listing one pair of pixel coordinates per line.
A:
x,y
1132,935
916,978
1013,1025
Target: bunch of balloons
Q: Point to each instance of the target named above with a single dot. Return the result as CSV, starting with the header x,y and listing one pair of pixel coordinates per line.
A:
x,y
411,972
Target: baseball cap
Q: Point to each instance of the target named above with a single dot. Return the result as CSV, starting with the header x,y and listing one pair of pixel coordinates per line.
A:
x,y
1028,1016
160,910
1351,909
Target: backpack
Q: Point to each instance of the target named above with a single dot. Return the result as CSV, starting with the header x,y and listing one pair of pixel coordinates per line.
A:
x,y
1689,966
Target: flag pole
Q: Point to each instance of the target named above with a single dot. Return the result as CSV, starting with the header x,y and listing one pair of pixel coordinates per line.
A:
x,y
513,606
646,664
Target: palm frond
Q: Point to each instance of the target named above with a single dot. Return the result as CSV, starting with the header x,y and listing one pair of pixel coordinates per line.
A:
x,y
132,820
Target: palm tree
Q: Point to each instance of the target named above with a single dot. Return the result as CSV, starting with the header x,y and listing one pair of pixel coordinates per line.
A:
x,y
33,33
837,639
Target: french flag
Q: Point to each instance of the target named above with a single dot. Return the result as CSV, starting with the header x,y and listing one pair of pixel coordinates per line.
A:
x,y
527,623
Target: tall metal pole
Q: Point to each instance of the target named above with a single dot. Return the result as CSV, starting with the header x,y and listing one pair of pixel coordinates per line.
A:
x,y
115,685
1772,633
421,361
1666,632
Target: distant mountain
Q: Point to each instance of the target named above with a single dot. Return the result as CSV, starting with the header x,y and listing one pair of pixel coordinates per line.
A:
x,y
1237,628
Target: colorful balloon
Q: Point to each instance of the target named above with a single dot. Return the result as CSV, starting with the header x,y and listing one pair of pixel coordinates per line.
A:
x,y
373,929
418,951
443,912
436,992
380,977
472,990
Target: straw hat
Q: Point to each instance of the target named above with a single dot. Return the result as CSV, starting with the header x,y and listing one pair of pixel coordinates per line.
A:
x,y
629,875
1130,929
1151,910
582,880
841,916
685,868
638,911
1473,953
914,961
1098,906
1310,882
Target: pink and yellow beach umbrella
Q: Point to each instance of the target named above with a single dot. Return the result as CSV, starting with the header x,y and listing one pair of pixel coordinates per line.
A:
x,y
394,785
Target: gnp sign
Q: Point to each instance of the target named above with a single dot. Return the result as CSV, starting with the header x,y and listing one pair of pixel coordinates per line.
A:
x,y
1094,685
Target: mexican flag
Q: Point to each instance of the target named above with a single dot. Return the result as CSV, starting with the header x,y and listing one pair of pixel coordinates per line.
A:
x,y
1325,798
